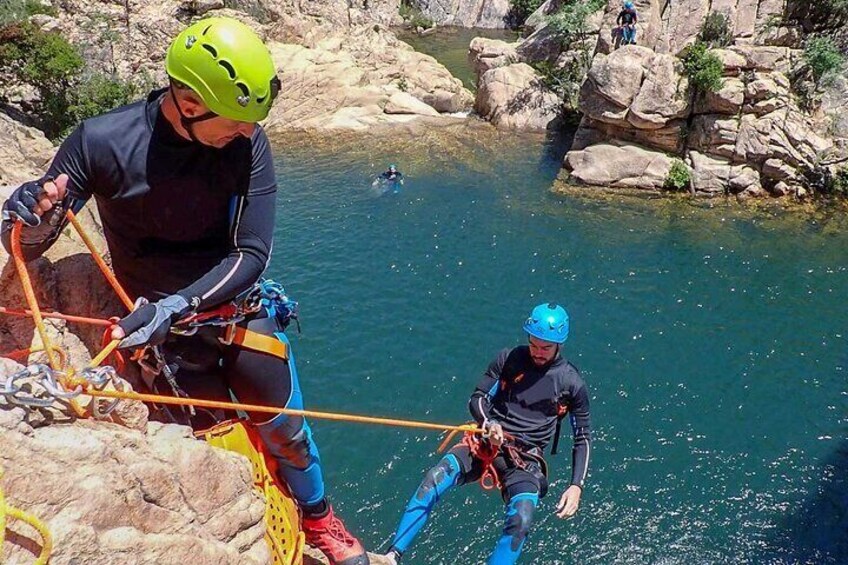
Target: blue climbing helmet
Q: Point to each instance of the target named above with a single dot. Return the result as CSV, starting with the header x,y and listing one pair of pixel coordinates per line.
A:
x,y
548,322
628,5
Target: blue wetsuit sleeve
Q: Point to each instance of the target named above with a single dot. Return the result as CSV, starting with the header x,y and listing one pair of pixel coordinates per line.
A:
x,y
578,410
251,236
480,403
72,160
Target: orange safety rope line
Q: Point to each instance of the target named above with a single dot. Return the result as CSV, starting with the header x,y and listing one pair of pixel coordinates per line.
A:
x,y
110,276
71,381
201,403
32,301
29,293
57,316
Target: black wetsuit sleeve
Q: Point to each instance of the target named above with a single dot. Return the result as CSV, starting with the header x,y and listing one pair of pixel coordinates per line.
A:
x,y
481,399
620,18
71,160
578,411
251,236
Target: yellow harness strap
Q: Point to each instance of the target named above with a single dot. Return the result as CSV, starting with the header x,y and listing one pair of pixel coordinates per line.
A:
x,y
256,341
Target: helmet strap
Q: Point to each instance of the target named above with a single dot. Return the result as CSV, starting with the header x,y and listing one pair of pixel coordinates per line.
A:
x,y
186,121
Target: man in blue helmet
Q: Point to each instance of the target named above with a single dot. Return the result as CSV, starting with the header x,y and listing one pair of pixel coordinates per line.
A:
x,y
520,402
392,175
627,19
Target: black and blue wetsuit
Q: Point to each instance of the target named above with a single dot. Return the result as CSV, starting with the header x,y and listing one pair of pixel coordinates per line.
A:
x,y
184,218
528,401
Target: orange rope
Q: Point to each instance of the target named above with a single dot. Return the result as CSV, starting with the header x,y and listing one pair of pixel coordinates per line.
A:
x,y
29,293
56,316
486,453
23,354
32,301
179,401
119,290
71,381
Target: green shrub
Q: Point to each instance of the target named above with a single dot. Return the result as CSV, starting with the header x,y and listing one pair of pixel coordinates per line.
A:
x,y
19,10
836,184
715,31
679,178
413,16
568,24
823,57
43,59
402,84
704,69
54,66
520,10
96,94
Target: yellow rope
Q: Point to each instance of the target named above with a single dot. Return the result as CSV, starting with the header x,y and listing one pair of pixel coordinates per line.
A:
x,y
12,512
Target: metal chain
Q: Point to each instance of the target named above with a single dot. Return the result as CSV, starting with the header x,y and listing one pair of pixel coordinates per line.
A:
x,y
49,381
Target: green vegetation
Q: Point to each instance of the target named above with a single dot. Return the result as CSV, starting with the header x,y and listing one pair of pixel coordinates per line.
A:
x,y
19,10
402,84
679,177
413,16
715,31
704,69
520,10
568,24
818,15
836,184
564,81
55,68
823,57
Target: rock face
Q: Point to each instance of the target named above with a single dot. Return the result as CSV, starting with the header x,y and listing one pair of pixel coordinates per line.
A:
x,y
749,138
340,67
24,152
486,54
512,97
109,494
466,13
371,83
618,166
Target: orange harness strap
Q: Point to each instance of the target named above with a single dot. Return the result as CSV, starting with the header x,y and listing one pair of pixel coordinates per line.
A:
x,y
255,341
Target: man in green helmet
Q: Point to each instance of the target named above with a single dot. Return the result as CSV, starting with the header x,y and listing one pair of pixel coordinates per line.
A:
x,y
185,187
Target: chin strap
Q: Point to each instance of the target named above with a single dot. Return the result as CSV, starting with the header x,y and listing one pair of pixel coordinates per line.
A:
x,y
185,121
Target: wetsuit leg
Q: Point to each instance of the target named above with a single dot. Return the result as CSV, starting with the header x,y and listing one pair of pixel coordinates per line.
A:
x,y
521,494
455,468
261,378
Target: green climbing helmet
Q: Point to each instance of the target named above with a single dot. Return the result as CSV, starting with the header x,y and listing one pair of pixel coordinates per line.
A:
x,y
228,66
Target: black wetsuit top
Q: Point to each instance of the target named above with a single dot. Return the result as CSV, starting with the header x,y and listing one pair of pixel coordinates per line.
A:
x,y
527,400
179,217
627,16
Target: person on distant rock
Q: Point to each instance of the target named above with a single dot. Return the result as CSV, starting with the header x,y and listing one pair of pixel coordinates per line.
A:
x,y
184,183
626,20
520,402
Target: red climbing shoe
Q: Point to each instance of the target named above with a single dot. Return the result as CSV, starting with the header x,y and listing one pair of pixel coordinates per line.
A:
x,y
329,535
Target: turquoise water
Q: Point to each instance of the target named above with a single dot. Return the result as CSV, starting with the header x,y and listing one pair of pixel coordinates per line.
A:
x,y
450,46
712,339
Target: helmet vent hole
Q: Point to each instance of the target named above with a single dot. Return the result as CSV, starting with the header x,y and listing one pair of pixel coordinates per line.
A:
x,y
261,100
230,70
211,50
207,28
244,90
